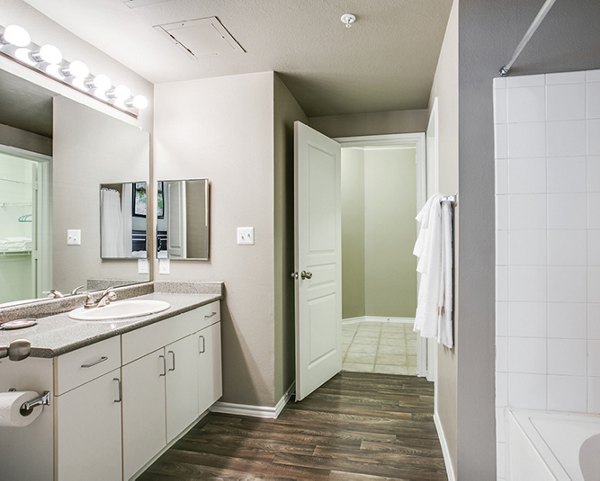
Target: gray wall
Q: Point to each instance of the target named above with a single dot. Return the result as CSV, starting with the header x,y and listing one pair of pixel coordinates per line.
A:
x,y
222,129
90,148
390,232
488,34
25,140
353,233
371,123
445,89
286,111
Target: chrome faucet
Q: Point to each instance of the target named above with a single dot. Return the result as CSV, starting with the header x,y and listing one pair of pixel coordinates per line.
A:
x,y
55,294
105,298
76,290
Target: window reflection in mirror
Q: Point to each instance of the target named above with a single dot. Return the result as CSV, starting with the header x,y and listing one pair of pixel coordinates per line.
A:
x,y
183,227
123,223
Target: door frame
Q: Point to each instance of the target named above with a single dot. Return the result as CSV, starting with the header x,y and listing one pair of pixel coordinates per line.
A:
x,y
42,251
418,139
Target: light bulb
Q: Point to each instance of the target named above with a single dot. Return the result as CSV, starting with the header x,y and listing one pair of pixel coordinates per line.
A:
x,y
50,54
121,92
101,82
79,82
78,69
54,71
139,102
16,35
24,55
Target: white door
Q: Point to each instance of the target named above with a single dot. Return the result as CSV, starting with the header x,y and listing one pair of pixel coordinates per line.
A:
x,y
182,385
144,433
210,387
318,247
88,441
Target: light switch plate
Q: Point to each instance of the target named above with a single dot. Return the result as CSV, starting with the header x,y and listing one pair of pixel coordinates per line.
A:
x,y
74,237
164,266
143,266
245,235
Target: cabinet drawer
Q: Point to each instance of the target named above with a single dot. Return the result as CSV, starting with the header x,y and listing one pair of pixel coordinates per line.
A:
x,y
142,341
78,367
209,314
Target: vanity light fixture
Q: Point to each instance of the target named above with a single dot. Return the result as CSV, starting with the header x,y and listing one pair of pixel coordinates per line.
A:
x,y
16,44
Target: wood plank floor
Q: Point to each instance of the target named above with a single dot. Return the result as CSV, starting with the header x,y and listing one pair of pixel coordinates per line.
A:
x,y
358,426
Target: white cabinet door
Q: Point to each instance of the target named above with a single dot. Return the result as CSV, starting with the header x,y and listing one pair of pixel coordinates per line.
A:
x,y
89,431
143,411
182,385
210,387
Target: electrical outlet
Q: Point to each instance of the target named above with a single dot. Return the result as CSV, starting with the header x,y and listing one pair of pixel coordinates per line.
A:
x,y
74,237
245,235
143,266
164,266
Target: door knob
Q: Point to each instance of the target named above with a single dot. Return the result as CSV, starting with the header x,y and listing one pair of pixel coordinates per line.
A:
x,y
306,275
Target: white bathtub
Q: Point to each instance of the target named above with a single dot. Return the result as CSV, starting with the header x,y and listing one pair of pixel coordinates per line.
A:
x,y
550,446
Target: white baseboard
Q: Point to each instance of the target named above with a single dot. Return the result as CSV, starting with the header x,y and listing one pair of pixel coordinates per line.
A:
x,y
445,449
355,320
269,412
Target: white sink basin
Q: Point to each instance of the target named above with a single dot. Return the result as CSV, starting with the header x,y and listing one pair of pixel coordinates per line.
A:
x,y
119,310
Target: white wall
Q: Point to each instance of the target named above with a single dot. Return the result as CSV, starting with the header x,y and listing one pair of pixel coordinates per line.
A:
x,y
547,244
222,129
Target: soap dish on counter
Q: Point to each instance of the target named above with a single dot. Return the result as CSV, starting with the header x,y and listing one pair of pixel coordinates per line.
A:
x,y
18,324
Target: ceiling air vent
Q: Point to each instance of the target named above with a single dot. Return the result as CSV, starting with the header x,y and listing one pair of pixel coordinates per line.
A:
x,y
201,37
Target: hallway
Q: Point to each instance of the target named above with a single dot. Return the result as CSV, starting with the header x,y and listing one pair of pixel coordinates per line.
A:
x,y
356,427
380,347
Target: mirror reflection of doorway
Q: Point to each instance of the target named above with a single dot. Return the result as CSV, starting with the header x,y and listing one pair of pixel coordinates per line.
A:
x,y
25,270
382,191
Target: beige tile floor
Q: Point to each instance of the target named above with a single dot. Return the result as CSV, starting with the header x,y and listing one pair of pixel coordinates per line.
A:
x,y
381,347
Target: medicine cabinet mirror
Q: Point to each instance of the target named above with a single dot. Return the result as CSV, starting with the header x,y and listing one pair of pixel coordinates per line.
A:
x,y
183,219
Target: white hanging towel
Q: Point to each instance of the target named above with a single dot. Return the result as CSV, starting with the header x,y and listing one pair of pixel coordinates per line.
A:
x,y
433,249
445,336
111,243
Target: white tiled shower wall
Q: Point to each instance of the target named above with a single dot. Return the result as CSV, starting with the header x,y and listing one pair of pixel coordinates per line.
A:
x,y
547,131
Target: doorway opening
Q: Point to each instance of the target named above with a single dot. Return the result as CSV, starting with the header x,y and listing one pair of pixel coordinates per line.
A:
x,y
383,180
25,267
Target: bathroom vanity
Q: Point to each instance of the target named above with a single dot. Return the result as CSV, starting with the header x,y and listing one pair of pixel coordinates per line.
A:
x,y
121,392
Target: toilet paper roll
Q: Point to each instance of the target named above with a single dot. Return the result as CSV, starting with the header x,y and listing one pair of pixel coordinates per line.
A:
x,y
10,408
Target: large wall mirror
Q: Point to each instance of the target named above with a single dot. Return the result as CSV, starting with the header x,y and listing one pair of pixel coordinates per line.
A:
x,y
54,155
183,220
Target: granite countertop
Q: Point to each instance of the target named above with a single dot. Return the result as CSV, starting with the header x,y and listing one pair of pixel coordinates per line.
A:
x,y
58,334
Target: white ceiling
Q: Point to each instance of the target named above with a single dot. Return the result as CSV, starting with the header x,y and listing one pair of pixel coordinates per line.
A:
x,y
386,61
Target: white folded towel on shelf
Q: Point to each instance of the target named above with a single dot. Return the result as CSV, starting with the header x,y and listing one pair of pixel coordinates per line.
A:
x,y
433,249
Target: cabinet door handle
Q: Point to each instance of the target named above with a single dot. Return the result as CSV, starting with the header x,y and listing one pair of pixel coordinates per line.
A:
x,y
212,314
172,360
201,350
91,364
164,363
120,390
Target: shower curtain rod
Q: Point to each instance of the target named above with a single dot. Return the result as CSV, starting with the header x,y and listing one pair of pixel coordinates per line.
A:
x,y
525,40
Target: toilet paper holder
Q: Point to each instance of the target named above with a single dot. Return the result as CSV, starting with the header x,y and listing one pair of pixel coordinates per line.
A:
x,y
27,407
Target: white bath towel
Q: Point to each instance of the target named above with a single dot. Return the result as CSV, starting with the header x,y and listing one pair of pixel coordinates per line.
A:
x,y
433,249
445,336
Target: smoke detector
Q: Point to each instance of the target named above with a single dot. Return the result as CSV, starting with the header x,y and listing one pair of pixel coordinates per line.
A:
x,y
348,19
